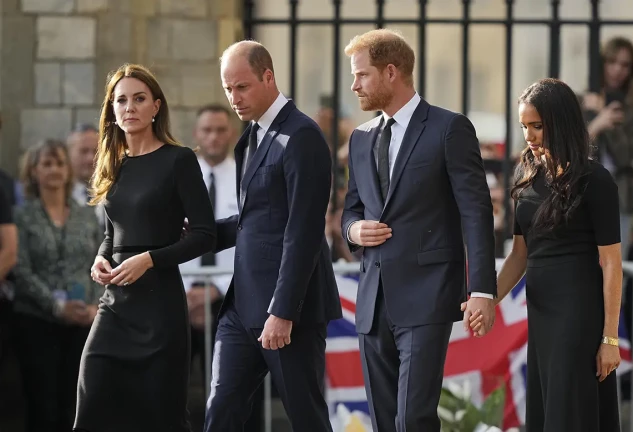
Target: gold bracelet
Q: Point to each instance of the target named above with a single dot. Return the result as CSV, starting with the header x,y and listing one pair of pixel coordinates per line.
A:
x,y
610,341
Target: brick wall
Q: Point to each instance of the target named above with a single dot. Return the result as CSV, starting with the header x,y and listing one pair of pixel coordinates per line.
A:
x,y
56,54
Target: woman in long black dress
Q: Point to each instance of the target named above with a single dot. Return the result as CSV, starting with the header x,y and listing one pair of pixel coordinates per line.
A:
x,y
566,227
135,365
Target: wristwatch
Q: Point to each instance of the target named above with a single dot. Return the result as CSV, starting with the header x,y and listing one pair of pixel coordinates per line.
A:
x,y
610,341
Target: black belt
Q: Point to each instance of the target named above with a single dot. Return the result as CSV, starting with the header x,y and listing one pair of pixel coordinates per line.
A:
x,y
135,249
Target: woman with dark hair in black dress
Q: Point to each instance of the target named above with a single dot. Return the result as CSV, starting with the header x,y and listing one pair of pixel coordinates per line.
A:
x,y
567,243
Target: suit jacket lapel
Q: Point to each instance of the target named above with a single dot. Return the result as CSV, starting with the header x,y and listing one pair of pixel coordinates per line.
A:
x,y
410,139
238,153
262,149
373,169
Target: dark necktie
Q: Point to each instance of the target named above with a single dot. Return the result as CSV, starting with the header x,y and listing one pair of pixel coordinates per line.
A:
x,y
212,190
208,259
252,144
383,158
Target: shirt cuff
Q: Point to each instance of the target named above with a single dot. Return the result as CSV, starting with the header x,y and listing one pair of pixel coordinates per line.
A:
x,y
484,295
349,239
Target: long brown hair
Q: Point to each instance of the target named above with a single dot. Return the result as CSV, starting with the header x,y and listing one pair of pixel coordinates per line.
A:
x,y
32,157
112,143
609,51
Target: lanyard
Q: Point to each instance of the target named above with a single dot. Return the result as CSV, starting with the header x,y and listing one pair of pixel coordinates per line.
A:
x,y
60,245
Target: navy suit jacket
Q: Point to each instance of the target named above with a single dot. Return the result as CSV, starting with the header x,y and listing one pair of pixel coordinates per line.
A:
x,y
283,265
438,188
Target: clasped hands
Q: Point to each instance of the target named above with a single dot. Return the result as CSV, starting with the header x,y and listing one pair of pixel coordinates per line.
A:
x,y
479,315
128,272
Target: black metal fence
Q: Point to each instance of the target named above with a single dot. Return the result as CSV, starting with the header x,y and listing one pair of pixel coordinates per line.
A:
x,y
252,24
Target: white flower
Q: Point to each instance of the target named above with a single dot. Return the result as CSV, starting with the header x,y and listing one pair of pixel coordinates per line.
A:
x,y
445,414
456,389
459,415
481,427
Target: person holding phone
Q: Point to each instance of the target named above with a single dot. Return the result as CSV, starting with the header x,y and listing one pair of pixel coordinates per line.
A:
x,y
55,298
610,123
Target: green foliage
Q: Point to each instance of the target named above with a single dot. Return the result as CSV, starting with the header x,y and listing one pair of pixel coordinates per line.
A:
x,y
458,414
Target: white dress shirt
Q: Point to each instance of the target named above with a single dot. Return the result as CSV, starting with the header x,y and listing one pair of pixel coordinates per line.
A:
x,y
80,195
266,121
398,129
225,206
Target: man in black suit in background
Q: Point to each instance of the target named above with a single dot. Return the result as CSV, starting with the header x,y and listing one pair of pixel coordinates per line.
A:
x,y
283,293
416,179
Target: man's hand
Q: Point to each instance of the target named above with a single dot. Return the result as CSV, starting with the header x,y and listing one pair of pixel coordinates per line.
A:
x,y
369,233
479,315
276,333
185,229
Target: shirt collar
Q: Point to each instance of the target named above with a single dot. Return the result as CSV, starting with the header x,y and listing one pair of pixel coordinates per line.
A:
x,y
266,120
404,114
208,169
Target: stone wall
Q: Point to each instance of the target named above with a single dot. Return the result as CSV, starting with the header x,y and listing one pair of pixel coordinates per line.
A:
x,y
56,54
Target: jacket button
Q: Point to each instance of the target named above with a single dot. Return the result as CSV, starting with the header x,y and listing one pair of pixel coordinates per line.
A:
x,y
239,227
377,264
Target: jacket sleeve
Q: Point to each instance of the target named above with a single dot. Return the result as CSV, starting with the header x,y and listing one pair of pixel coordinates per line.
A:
x,y
308,175
354,209
468,181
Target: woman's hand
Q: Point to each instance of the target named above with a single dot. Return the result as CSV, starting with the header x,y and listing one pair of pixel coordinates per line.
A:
x,y
607,360
100,271
130,270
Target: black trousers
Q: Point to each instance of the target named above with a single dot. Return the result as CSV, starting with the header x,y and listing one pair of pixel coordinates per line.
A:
x,y
240,365
403,369
49,356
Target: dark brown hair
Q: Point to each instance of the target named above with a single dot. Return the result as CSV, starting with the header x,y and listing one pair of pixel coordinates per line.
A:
x,y
566,140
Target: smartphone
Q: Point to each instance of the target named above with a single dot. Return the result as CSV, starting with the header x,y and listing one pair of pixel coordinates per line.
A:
x,y
77,292
614,96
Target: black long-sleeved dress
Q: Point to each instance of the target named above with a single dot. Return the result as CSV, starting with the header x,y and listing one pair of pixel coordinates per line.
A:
x,y
135,365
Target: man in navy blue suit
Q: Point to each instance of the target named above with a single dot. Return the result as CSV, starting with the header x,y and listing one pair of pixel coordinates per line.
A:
x,y
283,292
417,189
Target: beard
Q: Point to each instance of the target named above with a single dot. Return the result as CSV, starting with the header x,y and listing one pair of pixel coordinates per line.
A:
x,y
376,101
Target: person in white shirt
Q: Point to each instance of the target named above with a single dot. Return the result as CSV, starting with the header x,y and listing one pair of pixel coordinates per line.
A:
x,y
82,145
